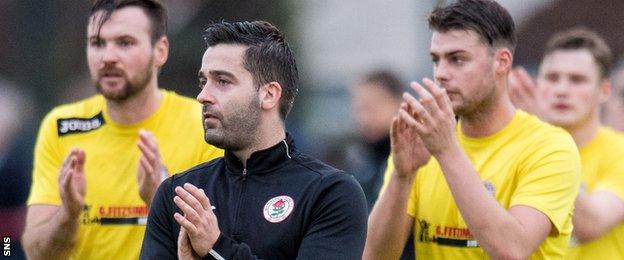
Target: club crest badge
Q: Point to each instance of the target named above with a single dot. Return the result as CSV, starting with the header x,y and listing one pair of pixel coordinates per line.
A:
x,y
279,208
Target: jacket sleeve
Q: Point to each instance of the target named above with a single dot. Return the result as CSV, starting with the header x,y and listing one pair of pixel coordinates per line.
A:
x,y
160,241
338,225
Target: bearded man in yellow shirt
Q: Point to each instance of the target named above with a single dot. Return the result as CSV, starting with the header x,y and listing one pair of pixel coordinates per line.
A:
x,y
99,161
499,183
572,84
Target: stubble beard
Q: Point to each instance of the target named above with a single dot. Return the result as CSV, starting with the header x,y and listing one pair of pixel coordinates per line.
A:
x,y
474,106
238,131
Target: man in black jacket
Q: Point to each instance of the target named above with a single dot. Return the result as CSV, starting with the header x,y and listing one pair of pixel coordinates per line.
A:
x,y
264,199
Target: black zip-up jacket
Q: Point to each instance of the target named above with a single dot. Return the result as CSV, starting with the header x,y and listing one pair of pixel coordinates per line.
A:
x,y
284,205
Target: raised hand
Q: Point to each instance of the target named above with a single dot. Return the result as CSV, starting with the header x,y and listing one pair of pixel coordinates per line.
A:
x,y
151,172
434,120
523,91
408,151
72,185
198,220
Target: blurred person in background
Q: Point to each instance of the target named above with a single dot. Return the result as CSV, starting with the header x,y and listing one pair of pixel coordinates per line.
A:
x,y
375,98
16,141
498,182
99,161
613,112
572,85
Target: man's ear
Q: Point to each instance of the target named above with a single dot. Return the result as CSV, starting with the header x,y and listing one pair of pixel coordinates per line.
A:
x,y
605,90
161,51
270,95
503,61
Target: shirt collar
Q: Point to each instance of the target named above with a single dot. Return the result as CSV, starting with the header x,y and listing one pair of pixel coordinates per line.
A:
x,y
263,161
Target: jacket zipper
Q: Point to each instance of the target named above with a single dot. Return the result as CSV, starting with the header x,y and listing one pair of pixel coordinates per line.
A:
x,y
240,201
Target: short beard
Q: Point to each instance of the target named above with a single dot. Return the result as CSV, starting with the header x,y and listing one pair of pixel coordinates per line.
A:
x,y
237,132
482,103
131,88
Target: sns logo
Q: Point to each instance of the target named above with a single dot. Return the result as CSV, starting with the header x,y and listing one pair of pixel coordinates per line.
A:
x,y
6,248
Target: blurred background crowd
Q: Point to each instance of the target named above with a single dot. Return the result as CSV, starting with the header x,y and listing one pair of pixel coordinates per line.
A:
x,y
355,59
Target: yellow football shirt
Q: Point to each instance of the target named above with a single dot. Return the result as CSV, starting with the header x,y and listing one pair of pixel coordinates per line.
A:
x,y
114,217
528,163
602,169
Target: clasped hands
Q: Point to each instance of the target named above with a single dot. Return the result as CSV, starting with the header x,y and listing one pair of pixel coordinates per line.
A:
x,y
199,229
72,182
422,128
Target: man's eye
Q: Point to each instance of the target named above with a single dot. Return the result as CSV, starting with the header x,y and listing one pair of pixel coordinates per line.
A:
x,y
552,77
96,43
457,60
125,43
202,83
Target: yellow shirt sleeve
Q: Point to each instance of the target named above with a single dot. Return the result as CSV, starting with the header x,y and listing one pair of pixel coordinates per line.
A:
x,y
47,163
613,180
549,180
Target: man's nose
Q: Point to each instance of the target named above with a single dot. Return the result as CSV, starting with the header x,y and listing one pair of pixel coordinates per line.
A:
x,y
205,96
110,54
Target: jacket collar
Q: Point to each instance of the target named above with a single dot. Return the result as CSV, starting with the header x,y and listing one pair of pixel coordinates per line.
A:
x,y
264,160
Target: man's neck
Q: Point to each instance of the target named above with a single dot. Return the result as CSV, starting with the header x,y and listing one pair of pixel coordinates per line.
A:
x,y
583,133
268,135
489,120
136,108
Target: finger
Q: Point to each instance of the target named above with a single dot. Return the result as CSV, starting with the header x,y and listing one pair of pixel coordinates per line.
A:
x,y
393,128
426,99
65,177
81,158
62,178
148,138
199,195
438,94
183,232
147,168
410,121
148,153
73,188
70,189
141,172
185,223
419,112
512,79
68,158
189,212
189,199
527,84
182,241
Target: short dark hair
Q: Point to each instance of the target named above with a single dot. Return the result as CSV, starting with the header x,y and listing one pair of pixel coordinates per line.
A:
x,y
386,79
485,17
268,57
154,10
582,38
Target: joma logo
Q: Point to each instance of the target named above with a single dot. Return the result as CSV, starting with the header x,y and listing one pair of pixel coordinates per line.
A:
x,y
79,125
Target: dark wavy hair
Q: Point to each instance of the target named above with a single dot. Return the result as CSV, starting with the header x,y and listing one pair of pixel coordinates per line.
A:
x,y
485,17
154,10
268,57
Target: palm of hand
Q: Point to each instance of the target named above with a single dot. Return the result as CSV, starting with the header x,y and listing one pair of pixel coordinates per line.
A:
x,y
408,150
